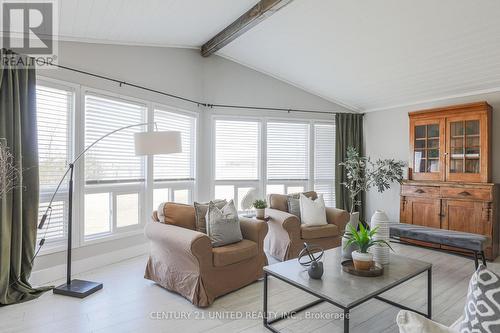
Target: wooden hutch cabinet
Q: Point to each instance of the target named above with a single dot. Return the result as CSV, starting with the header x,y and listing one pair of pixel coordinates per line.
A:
x,y
450,172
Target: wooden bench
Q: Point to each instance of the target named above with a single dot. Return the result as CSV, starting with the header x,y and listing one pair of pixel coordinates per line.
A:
x,y
474,243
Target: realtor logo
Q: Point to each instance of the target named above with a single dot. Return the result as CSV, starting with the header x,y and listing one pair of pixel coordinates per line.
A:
x,y
30,28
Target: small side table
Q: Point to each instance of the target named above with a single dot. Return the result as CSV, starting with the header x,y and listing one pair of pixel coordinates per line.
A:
x,y
265,219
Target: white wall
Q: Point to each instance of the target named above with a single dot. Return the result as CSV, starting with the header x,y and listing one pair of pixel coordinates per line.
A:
x,y
182,72
387,136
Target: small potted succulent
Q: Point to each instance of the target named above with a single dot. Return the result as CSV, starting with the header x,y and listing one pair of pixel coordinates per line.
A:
x,y
260,206
363,239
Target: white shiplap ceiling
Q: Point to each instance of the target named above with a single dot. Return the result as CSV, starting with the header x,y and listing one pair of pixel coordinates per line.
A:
x,y
368,55
173,23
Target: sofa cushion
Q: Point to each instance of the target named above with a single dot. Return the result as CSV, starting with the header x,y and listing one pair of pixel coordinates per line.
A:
x,y
200,210
322,231
223,225
177,214
233,253
280,201
312,212
294,206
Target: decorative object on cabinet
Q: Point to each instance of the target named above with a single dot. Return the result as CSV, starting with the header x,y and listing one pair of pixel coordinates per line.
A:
x,y
449,184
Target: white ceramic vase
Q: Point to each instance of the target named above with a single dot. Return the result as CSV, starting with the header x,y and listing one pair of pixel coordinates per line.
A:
x,y
347,251
380,253
260,212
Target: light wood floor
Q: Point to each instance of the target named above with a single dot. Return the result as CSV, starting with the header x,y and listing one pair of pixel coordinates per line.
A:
x,y
129,303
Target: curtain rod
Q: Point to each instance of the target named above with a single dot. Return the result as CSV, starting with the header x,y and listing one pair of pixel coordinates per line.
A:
x,y
121,83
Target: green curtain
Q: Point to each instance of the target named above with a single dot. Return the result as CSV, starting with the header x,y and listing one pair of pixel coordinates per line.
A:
x,y
349,133
19,207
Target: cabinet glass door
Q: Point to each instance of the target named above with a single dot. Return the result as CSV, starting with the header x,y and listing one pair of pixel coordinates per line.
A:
x,y
426,151
465,147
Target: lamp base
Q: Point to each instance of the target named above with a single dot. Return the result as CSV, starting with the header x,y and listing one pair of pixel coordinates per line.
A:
x,y
78,288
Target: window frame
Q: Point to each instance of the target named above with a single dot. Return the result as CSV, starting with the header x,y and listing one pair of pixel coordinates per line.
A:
x,y
262,183
52,246
174,185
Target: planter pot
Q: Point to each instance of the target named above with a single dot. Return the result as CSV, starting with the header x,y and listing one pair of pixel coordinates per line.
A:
x,y
362,261
261,213
354,221
380,253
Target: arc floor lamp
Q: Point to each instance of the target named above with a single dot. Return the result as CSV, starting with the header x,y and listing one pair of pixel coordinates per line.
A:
x,y
146,143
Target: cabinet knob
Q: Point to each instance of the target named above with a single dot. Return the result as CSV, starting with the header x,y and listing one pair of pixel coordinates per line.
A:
x,y
419,191
464,193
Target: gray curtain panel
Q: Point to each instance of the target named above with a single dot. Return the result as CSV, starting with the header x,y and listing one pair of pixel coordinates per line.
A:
x,y
349,133
19,208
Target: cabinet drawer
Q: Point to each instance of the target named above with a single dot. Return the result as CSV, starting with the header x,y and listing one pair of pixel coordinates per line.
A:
x,y
425,191
467,193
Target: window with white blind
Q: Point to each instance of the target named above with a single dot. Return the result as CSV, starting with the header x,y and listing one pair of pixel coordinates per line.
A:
x,y
299,156
54,112
237,151
174,175
324,162
287,147
113,174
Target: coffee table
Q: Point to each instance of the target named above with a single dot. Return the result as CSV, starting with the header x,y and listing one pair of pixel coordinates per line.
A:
x,y
342,289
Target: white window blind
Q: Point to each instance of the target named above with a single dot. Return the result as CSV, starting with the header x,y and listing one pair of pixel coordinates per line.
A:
x,y
54,110
287,151
112,160
179,166
236,150
324,162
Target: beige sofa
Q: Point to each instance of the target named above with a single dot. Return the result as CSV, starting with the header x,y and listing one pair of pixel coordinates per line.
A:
x,y
287,235
183,260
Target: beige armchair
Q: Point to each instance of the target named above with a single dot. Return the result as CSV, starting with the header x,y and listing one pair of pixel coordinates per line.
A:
x,y
286,235
183,260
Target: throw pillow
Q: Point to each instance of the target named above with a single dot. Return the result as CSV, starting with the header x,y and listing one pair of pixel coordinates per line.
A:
x,y
411,322
312,212
223,225
294,206
200,210
482,307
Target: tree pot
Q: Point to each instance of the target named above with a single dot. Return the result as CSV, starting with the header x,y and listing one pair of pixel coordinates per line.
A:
x,y
362,261
260,213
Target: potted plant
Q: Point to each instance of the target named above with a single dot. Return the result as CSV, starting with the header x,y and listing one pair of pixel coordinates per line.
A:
x,y
363,239
260,206
361,175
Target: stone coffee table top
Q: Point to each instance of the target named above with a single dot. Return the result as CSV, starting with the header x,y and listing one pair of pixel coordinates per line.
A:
x,y
343,288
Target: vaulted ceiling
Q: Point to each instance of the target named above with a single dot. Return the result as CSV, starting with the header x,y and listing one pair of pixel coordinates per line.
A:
x,y
368,55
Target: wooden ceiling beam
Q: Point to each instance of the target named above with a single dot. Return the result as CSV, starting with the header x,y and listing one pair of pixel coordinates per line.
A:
x,y
258,13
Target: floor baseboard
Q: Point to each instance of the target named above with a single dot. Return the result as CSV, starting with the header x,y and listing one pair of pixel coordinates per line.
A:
x,y
47,275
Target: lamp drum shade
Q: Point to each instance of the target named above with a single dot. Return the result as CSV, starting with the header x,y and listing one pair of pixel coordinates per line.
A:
x,y
157,143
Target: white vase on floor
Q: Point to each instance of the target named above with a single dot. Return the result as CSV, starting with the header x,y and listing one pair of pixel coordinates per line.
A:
x,y
380,220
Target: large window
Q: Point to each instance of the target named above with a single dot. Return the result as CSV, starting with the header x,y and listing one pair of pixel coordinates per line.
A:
x,y
174,174
324,162
237,151
287,146
298,156
54,110
114,176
